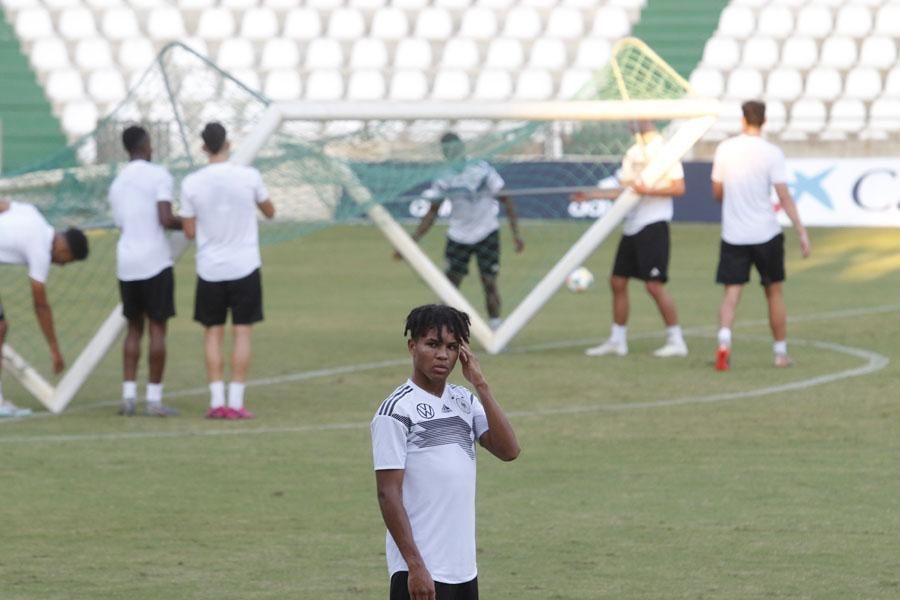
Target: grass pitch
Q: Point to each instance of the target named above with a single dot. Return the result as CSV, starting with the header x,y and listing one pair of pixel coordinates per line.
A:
x,y
639,478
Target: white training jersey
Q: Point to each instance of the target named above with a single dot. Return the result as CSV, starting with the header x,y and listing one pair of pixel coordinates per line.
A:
x,y
650,209
143,249
433,440
223,197
748,166
26,238
472,192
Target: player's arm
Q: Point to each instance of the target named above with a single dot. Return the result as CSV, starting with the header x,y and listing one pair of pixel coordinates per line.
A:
x,y
4,205
389,483
513,219
718,190
675,188
45,319
167,218
597,194
424,225
190,227
790,209
500,438
266,208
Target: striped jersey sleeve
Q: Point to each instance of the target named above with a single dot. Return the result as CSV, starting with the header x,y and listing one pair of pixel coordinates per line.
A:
x,y
390,429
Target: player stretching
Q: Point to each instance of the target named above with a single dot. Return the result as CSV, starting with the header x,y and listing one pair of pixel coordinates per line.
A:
x,y
27,239
141,201
473,189
745,169
643,251
219,204
423,442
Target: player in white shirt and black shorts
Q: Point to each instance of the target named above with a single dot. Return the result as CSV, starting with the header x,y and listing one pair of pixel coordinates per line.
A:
x,y
218,208
643,251
474,189
745,170
26,238
141,201
423,443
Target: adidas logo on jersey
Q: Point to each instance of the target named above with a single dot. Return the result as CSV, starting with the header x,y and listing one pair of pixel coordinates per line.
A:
x,y
445,409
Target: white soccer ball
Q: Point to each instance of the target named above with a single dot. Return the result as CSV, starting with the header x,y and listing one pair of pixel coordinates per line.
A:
x,y
579,280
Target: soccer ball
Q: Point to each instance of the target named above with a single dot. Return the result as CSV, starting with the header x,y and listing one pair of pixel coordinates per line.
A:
x,y
579,280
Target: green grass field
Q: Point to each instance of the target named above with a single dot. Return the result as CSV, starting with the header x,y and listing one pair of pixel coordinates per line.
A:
x,y
639,477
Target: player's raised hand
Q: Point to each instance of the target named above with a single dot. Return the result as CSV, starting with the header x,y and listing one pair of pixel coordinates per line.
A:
x,y
471,368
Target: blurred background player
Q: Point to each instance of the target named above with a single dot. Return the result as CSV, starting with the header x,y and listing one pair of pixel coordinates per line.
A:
x,y
218,208
745,169
423,443
643,251
141,202
472,187
26,238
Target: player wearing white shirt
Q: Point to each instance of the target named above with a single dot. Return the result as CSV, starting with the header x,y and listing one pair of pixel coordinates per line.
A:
x,y
745,169
423,444
218,209
141,201
26,238
474,189
643,251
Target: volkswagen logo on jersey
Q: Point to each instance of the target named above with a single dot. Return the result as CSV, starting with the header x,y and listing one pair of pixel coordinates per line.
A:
x,y
425,411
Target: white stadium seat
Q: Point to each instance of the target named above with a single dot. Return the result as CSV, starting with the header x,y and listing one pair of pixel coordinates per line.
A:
x,y
522,22
412,53
106,86
192,5
367,84
280,54
548,54
493,85
571,82
838,52
303,24
593,53
197,45
239,5
887,21
346,24
847,116
14,6
499,5
64,85
729,122
784,83
216,24
451,85
146,5
760,53
892,83
58,5
434,24
367,4
283,84
324,85
249,77
120,24
368,53
534,84
775,21
93,54
324,53
80,118
885,114
542,5
879,52
807,116
754,4
736,22
722,53
611,22
76,24
259,24
236,53
408,85
799,53
281,5
48,54
707,82
565,24
854,20
744,83
452,4
814,20
136,54
478,23
504,53
776,116
390,24
823,83
460,53
863,83
412,5
165,23
324,4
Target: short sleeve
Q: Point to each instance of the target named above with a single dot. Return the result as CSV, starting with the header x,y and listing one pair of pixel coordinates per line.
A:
x,y
718,174
260,193
676,172
778,172
187,199
493,181
388,442
39,259
628,173
164,187
479,418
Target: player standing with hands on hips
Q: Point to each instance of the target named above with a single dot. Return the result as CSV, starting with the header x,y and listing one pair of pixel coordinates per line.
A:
x,y
745,169
423,442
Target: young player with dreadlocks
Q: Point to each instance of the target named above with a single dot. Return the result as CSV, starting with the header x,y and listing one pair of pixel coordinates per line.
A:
x,y
423,442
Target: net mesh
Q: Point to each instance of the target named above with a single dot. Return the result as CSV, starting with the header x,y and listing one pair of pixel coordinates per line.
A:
x,y
309,166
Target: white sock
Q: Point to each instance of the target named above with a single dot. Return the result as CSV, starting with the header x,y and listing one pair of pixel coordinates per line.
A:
x,y
217,394
675,334
618,333
129,390
236,395
154,393
780,347
725,337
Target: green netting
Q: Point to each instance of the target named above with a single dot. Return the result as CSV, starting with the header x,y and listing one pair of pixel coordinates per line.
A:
x,y
308,167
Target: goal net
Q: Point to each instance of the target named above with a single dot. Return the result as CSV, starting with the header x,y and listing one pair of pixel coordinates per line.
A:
x,y
359,163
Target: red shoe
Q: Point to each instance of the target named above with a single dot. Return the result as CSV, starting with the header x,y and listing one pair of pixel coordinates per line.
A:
x,y
233,414
217,413
723,358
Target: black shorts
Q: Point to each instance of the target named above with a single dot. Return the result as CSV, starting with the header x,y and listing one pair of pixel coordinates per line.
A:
x,y
735,262
154,297
242,296
442,591
487,253
644,255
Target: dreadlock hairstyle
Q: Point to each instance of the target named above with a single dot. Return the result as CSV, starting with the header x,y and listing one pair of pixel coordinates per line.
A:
x,y
423,319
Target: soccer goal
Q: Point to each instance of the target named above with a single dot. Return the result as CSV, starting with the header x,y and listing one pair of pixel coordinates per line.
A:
x,y
332,163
